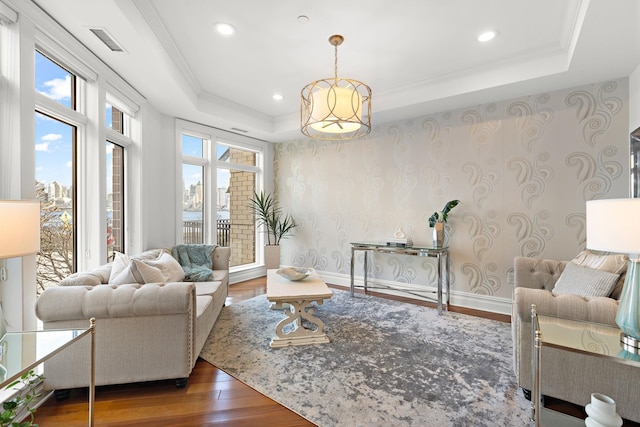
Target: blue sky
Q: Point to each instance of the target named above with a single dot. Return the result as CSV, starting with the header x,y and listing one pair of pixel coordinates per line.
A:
x,y
53,138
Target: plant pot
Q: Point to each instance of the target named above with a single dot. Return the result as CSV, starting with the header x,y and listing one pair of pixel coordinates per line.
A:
x,y
272,256
438,235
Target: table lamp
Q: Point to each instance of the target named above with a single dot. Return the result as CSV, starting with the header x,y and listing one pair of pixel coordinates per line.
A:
x,y
19,229
613,225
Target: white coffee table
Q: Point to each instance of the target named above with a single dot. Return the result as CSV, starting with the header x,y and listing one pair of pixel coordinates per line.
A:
x,y
297,299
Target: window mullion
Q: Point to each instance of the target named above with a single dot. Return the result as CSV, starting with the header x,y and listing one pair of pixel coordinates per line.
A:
x,y
54,109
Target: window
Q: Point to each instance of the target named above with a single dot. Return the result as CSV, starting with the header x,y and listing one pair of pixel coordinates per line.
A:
x,y
55,179
193,204
115,199
115,162
193,189
220,173
55,82
55,157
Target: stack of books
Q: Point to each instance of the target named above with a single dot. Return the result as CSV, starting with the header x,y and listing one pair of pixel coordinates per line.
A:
x,y
400,243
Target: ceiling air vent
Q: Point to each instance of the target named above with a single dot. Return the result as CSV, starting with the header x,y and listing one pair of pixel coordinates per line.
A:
x,y
106,38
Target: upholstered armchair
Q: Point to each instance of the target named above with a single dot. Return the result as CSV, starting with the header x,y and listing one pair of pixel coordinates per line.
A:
x,y
571,376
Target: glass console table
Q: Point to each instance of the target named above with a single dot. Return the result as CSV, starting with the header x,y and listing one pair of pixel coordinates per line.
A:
x,y
22,352
593,339
442,261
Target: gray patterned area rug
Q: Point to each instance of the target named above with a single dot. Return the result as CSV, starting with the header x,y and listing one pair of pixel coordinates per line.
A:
x,y
388,364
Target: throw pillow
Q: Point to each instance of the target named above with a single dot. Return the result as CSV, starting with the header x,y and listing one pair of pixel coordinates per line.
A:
x,y
122,270
584,281
148,273
612,263
171,269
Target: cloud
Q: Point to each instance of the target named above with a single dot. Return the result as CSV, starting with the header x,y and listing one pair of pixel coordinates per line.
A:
x,y
69,164
58,89
51,137
42,147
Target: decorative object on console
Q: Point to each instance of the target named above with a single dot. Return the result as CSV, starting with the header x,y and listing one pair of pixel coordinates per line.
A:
x,y
294,273
602,412
612,226
400,239
332,108
437,221
276,224
19,230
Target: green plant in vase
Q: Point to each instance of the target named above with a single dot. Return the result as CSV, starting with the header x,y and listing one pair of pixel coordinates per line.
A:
x,y
277,225
437,221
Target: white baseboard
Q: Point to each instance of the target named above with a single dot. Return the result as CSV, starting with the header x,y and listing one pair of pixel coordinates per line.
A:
x,y
247,274
461,299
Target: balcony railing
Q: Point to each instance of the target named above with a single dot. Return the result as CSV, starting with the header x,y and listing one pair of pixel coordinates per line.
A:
x,y
192,231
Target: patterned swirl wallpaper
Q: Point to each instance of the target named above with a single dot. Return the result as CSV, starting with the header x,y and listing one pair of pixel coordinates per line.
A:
x,y
522,170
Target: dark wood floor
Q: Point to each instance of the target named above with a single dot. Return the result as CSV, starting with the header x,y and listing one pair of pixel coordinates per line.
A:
x,y
211,398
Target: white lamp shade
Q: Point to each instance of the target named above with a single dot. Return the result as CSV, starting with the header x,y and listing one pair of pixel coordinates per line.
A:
x,y
19,228
336,104
613,225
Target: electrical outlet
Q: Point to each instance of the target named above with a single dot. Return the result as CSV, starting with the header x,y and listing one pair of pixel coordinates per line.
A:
x,y
510,278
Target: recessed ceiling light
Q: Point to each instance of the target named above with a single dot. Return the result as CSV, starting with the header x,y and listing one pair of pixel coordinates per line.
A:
x,y
225,29
303,19
486,36
278,97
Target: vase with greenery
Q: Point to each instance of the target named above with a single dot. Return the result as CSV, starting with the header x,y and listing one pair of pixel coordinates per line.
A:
x,y
437,221
26,396
277,225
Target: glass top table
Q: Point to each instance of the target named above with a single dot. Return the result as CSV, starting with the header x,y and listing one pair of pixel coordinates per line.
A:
x,y
442,261
21,352
593,339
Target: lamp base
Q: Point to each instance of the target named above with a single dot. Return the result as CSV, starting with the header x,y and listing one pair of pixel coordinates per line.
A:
x,y
629,343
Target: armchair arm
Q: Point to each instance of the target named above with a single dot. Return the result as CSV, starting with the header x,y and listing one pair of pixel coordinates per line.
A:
x,y
111,301
536,273
220,258
574,307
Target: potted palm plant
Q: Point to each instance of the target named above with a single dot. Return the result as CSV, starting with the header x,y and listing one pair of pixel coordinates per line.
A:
x,y
276,225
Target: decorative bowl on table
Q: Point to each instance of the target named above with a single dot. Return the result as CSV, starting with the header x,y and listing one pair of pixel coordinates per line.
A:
x,y
294,273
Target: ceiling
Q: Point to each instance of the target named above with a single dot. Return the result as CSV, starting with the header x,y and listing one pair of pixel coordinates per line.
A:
x,y
418,56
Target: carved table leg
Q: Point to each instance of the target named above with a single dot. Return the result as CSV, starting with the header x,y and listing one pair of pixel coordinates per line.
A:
x,y
297,312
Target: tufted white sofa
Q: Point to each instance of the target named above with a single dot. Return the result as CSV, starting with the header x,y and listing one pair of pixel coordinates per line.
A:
x,y
568,376
144,332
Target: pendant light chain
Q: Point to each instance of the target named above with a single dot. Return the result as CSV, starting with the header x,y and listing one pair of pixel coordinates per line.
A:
x,y
335,47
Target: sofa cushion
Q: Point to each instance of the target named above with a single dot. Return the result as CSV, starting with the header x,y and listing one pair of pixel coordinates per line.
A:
x,y
169,268
207,288
584,281
612,263
148,273
123,271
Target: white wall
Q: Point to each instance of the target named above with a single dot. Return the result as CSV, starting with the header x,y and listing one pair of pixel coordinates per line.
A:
x,y
522,168
158,180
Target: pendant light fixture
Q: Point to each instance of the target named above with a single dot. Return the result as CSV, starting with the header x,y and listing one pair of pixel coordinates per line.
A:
x,y
333,108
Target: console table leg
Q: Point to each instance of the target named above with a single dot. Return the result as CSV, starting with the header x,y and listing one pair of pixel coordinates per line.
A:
x,y
366,268
353,260
447,269
439,284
